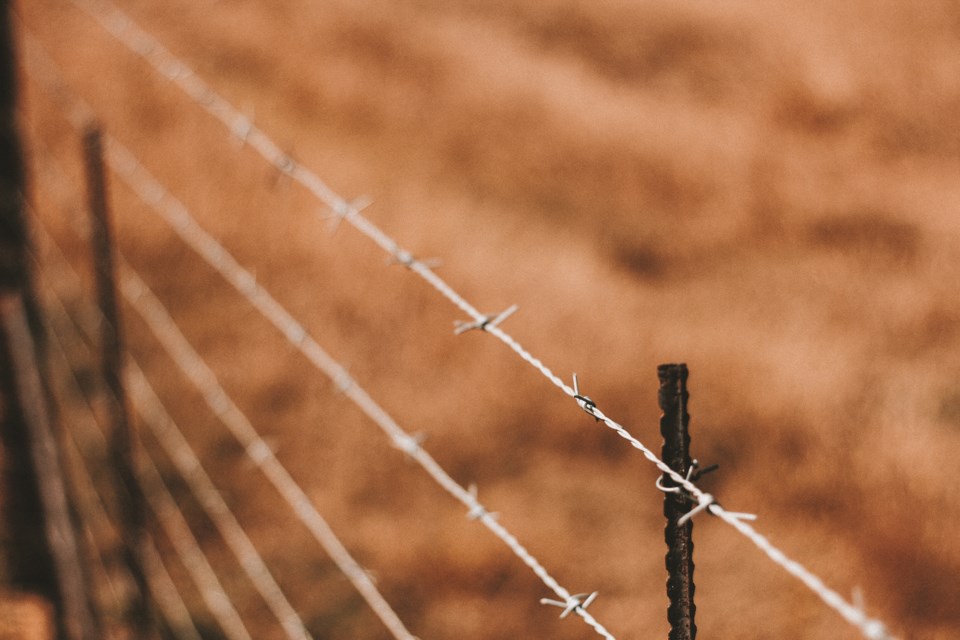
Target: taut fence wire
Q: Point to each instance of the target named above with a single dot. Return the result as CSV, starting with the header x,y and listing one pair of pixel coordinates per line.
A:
x,y
240,126
172,440
157,197
165,329
162,503
129,169
164,590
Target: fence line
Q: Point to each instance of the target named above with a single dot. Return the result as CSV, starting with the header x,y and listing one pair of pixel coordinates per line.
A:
x,y
163,505
155,195
143,44
185,545
172,606
164,327
175,526
171,438
161,584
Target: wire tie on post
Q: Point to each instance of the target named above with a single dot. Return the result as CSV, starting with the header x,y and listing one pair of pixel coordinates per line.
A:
x,y
579,601
739,515
660,486
489,320
583,401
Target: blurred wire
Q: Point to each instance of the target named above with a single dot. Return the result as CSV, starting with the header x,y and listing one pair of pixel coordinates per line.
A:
x,y
162,503
161,584
156,195
145,45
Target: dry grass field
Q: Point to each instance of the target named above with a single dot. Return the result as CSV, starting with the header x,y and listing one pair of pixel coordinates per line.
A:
x,y
769,192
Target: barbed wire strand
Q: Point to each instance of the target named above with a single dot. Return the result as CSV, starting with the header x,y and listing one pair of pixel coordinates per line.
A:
x,y
155,195
184,543
135,290
160,322
170,437
171,604
145,45
162,503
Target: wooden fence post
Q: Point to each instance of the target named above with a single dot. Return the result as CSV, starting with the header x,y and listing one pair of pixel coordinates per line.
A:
x,y
123,439
674,427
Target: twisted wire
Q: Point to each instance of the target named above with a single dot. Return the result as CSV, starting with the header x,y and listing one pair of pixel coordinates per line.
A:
x,y
155,195
145,45
129,169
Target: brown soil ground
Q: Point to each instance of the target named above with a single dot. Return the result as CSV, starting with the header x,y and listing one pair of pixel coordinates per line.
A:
x,y
766,191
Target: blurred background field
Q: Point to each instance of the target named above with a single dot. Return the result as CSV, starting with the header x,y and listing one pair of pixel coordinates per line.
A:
x,y
766,191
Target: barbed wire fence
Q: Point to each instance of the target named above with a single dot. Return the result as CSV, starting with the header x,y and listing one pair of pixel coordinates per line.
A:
x,y
69,333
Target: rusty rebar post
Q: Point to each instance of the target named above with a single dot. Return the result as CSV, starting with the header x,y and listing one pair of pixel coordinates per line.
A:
x,y
674,427
122,437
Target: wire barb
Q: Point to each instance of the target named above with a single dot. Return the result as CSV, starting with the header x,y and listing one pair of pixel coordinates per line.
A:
x,y
585,403
487,322
578,603
408,443
477,510
340,210
399,255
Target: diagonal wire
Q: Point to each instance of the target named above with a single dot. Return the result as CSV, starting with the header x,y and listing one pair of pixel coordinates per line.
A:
x,y
171,604
162,503
180,452
181,537
199,373
145,45
161,584
155,195
188,464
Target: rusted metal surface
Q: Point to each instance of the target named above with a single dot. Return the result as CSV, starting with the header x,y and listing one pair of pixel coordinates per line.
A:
x,y
674,427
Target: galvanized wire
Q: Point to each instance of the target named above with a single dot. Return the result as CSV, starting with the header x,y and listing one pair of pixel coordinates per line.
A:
x,y
129,169
241,127
154,194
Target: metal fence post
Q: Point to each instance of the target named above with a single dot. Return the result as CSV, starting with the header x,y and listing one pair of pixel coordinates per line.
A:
x,y
123,440
27,416
674,427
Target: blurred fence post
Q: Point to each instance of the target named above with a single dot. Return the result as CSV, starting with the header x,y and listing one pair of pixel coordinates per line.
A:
x,y
674,427
123,440
31,452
